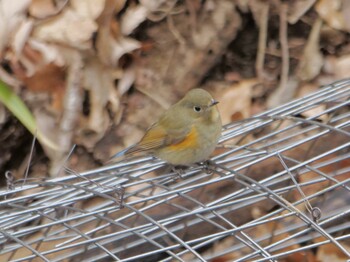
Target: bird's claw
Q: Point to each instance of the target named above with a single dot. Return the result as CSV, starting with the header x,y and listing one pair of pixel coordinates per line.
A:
x,y
179,172
208,166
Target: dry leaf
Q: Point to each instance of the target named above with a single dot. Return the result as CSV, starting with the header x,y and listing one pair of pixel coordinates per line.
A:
x,y
235,101
126,81
283,94
49,53
12,14
243,5
110,44
257,9
306,256
208,31
339,67
132,18
45,8
21,36
330,252
68,28
89,9
158,9
331,13
312,59
98,81
316,187
49,79
110,50
297,9
307,89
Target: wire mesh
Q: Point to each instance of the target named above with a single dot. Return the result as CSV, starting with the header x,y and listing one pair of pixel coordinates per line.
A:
x,y
278,185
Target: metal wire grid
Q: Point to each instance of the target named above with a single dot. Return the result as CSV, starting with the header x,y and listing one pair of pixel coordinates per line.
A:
x,y
278,185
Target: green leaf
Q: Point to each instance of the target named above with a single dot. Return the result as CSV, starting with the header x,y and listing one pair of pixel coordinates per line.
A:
x,y
16,106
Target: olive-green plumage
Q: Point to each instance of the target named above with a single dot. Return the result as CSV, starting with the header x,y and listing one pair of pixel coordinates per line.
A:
x,y
186,133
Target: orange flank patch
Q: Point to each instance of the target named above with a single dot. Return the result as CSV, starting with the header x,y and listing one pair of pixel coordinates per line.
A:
x,y
190,141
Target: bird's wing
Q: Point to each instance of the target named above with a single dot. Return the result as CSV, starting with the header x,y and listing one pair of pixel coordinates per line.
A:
x,y
157,137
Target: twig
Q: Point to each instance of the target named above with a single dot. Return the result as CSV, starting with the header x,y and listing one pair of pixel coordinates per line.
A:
x,y
260,58
283,33
29,160
174,31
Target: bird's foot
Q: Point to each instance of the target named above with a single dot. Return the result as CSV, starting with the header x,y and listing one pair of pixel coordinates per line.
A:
x,y
179,171
208,166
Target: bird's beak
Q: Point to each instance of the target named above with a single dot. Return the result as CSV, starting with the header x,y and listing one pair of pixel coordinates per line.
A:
x,y
214,102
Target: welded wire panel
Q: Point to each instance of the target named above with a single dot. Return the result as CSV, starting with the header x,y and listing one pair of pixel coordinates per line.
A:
x,y
277,186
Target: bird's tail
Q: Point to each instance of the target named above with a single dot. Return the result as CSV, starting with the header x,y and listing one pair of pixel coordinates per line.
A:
x,y
119,154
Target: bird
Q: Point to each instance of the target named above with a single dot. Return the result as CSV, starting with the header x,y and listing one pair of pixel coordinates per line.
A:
x,y
185,134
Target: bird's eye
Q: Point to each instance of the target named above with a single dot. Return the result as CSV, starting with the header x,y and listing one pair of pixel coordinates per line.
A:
x,y
197,109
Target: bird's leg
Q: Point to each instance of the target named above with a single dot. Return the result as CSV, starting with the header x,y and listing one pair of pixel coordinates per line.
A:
x,y
178,170
208,166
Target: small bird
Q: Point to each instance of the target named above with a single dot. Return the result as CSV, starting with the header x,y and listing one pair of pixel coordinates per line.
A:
x,y
186,133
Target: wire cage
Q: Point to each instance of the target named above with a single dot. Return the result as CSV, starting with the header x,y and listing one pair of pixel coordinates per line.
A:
x,y
278,186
